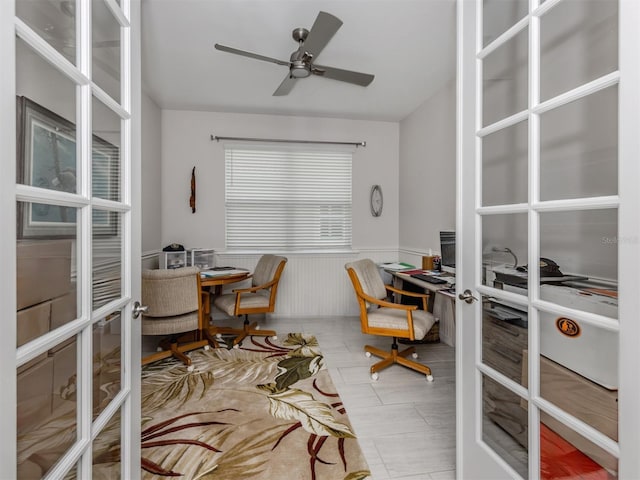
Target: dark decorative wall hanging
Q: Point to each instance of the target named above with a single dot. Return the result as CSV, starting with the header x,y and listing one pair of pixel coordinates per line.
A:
x,y
192,200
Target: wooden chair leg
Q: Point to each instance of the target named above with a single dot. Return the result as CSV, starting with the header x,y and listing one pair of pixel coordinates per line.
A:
x,y
179,355
206,333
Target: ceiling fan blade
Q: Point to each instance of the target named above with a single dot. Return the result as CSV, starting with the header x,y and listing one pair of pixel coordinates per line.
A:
x,y
362,79
286,86
323,29
244,53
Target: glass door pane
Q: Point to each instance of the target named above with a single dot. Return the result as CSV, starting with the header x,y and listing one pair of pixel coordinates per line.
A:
x,y
504,79
74,324
55,22
563,151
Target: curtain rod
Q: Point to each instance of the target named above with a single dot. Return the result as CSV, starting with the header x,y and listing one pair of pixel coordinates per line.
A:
x,y
277,140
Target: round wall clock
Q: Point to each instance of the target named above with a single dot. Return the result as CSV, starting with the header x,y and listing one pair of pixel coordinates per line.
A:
x,y
376,200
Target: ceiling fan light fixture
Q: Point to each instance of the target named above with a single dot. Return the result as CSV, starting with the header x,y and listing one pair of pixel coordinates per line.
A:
x,y
301,70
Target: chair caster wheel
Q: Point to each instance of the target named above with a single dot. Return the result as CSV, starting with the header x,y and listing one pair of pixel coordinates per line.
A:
x,y
218,336
368,355
207,347
429,378
275,337
414,355
190,368
375,376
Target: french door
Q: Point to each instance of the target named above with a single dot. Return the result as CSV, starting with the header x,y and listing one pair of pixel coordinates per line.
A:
x,y
548,234
70,118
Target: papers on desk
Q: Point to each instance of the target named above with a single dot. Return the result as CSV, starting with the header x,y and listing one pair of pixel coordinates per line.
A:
x,y
396,267
226,272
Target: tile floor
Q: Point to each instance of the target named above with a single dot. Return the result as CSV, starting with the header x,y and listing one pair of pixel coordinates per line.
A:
x,y
405,425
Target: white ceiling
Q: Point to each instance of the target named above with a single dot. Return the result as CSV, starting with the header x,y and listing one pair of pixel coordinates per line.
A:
x,y
409,45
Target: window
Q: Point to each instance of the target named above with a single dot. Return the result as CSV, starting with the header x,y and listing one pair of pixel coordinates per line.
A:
x,y
287,198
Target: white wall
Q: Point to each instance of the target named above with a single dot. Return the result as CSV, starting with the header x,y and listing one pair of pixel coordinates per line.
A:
x,y
151,175
428,174
186,143
309,280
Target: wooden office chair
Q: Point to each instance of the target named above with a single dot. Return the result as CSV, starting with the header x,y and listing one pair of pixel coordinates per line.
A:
x,y
381,317
174,300
259,298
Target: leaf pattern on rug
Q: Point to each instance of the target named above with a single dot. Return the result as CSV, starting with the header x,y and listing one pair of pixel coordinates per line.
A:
x,y
314,416
293,369
266,411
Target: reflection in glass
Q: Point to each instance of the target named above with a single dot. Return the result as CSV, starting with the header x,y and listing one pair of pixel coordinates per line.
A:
x,y
579,43
578,148
505,251
580,384
498,16
47,409
505,80
46,150
505,424
567,454
584,245
505,337
107,362
106,450
105,152
105,64
107,256
46,291
55,22
505,166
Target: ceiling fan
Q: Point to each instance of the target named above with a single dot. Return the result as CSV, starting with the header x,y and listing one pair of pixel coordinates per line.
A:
x,y
302,62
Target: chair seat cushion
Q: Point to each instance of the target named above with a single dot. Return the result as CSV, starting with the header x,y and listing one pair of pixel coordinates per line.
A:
x,y
385,317
170,325
227,302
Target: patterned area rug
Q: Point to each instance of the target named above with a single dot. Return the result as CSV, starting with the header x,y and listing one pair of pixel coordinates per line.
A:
x,y
268,410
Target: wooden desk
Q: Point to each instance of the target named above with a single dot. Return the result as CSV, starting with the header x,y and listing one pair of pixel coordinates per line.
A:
x,y
443,305
223,278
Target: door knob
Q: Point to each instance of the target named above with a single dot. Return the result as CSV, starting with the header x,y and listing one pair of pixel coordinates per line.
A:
x,y
467,296
138,309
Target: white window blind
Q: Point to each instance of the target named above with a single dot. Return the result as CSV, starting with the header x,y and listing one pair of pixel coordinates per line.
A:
x,y
292,198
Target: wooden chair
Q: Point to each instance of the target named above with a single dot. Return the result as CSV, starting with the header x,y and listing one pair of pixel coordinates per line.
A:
x,y
174,300
259,298
381,317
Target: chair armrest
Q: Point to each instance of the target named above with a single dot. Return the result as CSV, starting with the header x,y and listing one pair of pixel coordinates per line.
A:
x,y
384,303
265,286
423,296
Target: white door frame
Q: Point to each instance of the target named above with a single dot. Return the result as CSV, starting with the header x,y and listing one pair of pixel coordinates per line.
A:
x,y
8,429
128,15
629,239
474,458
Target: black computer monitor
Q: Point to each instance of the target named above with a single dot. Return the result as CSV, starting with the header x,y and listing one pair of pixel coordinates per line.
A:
x,y
448,251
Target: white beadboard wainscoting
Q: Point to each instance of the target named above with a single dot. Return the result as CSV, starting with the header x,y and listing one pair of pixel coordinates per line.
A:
x,y
312,284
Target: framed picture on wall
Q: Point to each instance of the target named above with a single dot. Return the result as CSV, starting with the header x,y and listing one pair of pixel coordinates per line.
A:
x,y
46,156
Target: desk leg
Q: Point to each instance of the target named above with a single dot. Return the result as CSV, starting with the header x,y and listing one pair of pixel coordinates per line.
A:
x,y
205,318
444,310
399,284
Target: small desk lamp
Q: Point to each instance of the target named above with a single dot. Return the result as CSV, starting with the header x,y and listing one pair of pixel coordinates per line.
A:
x,y
506,250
